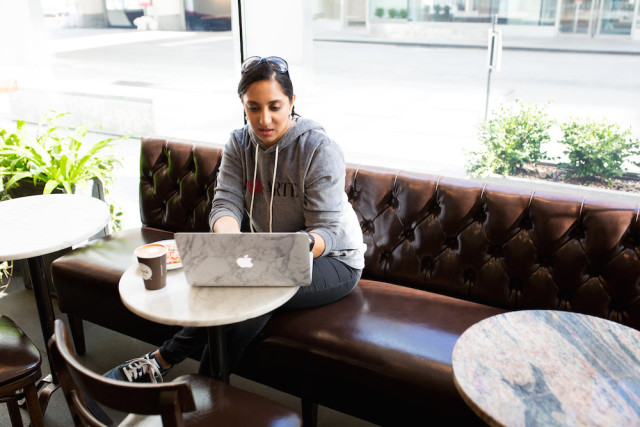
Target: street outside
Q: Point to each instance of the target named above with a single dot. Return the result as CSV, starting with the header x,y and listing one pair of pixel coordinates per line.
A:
x,y
400,106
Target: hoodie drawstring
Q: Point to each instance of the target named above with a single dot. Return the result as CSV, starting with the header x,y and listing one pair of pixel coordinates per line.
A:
x,y
253,191
273,182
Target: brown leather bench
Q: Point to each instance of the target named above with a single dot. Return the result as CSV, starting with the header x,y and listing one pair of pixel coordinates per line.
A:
x,y
442,255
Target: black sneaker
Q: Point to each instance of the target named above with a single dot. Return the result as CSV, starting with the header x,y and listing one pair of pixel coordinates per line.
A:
x,y
144,369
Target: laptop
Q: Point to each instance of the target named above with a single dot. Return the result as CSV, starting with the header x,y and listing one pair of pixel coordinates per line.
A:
x,y
245,259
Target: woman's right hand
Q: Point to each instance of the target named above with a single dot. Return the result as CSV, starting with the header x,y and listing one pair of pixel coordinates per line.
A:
x,y
226,224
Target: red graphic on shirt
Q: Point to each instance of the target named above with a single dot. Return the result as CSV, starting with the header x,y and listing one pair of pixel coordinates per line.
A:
x,y
254,187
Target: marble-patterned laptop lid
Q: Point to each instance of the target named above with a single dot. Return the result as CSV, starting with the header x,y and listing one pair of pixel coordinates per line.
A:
x,y
245,259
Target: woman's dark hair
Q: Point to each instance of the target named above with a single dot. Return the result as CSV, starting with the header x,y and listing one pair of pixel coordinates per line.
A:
x,y
264,72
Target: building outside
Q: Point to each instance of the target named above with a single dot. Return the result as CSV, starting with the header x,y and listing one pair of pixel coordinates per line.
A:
x,y
589,18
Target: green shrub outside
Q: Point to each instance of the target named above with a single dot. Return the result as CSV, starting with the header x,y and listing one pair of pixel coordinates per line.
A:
x,y
516,136
379,12
404,13
512,138
597,149
392,13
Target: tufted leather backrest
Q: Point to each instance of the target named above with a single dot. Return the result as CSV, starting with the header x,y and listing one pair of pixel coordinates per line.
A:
x,y
507,247
177,181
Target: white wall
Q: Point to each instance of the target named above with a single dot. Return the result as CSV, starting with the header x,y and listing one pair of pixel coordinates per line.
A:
x,y
23,40
86,13
287,33
168,13
89,7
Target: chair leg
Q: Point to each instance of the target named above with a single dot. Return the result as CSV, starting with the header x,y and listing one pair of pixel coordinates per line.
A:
x,y
77,333
33,405
309,413
14,413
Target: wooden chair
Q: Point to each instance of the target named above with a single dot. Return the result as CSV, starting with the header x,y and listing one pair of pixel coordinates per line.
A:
x,y
188,400
19,372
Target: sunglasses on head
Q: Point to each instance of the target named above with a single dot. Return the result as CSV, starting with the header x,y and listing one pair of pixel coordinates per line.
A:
x,y
276,63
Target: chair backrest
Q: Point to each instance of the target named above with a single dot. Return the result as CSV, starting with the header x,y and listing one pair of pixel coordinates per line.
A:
x,y
169,400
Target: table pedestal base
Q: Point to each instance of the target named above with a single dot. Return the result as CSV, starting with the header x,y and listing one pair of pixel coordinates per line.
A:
x,y
43,303
218,353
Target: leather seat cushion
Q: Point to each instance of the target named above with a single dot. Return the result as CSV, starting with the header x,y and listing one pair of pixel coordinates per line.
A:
x,y
18,354
381,343
86,282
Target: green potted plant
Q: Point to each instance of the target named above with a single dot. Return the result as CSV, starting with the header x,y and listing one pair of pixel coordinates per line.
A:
x,y
55,159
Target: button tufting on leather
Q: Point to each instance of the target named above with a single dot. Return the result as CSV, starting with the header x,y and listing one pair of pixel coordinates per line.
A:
x,y
353,195
526,223
367,226
469,275
426,264
630,242
515,284
408,235
577,233
451,243
594,270
564,295
545,260
480,216
393,202
385,256
495,251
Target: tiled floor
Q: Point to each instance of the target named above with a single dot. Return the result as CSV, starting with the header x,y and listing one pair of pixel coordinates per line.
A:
x,y
106,349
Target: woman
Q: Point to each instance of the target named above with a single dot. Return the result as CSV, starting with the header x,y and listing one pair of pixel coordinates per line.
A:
x,y
280,173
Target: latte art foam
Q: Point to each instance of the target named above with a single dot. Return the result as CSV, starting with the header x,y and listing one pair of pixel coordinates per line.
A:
x,y
150,251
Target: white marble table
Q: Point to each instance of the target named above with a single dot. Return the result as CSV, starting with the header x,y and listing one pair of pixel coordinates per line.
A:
x,y
181,304
547,368
37,225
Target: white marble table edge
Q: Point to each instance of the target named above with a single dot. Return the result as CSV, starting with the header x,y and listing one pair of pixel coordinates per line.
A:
x,y
99,222
176,282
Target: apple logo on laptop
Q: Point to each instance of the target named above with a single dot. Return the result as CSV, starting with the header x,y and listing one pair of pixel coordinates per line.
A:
x,y
244,262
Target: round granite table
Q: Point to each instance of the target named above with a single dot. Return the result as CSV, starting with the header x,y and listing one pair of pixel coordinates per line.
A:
x,y
33,226
179,303
546,368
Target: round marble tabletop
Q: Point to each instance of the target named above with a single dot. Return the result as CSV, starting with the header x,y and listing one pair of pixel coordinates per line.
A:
x,y
546,368
38,225
179,303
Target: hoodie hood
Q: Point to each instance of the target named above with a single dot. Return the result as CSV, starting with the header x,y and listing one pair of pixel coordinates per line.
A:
x,y
300,127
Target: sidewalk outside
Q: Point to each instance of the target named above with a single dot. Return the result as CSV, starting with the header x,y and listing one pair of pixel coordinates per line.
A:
x,y
474,36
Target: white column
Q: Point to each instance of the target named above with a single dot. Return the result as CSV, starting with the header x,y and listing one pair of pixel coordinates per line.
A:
x,y
558,17
344,14
279,28
23,40
168,14
635,34
87,14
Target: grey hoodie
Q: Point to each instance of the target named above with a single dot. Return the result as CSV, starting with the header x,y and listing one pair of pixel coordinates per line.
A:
x,y
308,193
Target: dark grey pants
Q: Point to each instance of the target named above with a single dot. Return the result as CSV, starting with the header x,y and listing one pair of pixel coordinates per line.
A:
x,y
331,280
